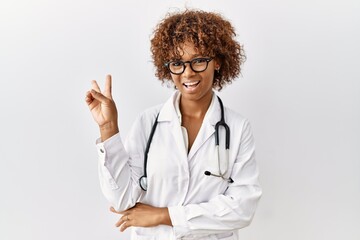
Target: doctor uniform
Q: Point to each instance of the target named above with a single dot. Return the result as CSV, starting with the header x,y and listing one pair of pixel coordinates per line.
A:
x,y
200,206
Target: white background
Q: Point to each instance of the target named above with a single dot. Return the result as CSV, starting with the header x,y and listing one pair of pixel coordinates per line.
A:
x,y
299,88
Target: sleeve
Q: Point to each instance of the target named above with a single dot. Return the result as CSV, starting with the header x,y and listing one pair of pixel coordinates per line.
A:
x,y
120,167
229,211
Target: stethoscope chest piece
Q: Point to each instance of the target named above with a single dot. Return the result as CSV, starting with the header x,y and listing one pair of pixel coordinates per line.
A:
x,y
143,183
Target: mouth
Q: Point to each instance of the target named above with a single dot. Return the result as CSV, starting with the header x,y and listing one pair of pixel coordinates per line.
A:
x,y
191,84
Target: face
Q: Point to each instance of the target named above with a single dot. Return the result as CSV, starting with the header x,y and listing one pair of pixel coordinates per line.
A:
x,y
192,85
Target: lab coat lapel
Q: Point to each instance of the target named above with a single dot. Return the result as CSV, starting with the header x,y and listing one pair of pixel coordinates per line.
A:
x,y
168,114
204,134
207,129
179,138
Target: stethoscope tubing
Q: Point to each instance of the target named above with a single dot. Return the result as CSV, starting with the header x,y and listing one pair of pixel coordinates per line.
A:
x,y
221,123
143,179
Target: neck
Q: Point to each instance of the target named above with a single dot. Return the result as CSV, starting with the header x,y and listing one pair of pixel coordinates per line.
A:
x,y
195,108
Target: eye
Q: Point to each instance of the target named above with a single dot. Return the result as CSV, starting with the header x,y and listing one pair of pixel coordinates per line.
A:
x,y
199,60
176,64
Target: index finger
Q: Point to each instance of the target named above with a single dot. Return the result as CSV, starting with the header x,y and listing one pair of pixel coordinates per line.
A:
x,y
95,86
108,86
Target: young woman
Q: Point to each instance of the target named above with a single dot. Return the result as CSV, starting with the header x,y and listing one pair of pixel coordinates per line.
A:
x,y
187,168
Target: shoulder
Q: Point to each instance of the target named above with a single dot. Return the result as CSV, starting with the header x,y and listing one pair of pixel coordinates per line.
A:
x,y
234,117
239,124
240,128
148,116
143,123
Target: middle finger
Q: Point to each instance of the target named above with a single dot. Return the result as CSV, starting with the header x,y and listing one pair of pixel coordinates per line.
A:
x,y
123,219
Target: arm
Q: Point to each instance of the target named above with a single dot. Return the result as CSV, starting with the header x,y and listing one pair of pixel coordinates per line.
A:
x,y
117,182
111,151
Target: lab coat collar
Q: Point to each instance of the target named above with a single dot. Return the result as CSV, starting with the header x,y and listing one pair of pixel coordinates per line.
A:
x,y
168,111
207,129
213,115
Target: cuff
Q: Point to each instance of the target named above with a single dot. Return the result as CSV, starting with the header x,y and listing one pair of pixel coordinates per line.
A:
x,y
178,220
108,153
108,146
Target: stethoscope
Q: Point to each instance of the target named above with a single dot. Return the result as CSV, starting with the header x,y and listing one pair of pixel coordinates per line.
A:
x,y
143,179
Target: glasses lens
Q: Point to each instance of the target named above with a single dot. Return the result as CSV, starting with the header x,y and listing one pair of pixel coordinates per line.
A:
x,y
176,67
199,64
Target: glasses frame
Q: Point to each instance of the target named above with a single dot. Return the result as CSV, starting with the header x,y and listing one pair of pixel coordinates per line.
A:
x,y
183,63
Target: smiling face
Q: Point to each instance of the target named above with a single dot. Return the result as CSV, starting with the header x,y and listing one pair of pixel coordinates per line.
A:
x,y
194,86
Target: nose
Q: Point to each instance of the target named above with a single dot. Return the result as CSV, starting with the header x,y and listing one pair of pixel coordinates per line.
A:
x,y
188,70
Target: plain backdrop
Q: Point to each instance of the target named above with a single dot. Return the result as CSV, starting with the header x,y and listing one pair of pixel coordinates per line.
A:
x,y
300,89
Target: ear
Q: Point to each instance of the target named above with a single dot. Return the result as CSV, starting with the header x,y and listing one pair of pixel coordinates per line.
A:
x,y
217,64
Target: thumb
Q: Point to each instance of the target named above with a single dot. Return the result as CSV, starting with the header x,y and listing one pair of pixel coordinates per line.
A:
x,y
112,209
98,96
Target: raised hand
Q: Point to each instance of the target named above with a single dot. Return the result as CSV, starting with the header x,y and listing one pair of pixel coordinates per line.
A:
x,y
103,108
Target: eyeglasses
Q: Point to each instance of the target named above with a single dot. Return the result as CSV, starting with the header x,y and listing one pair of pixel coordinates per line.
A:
x,y
197,65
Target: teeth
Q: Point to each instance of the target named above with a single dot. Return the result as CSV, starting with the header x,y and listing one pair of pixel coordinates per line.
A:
x,y
191,84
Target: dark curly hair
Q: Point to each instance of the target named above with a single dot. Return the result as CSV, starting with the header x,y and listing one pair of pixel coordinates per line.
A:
x,y
211,35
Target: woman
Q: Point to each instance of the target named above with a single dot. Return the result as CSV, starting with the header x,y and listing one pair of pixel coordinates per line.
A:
x,y
187,187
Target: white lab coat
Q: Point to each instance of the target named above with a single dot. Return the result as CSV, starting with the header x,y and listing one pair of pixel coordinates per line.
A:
x,y
200,206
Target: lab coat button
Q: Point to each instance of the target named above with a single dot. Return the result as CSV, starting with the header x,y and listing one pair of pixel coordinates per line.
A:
x,y
101,150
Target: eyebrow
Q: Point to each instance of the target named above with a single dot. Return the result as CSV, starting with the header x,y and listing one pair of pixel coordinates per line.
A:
x,y
193,56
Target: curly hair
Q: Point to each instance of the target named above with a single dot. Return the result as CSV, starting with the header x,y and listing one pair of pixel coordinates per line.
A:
x,y
211,35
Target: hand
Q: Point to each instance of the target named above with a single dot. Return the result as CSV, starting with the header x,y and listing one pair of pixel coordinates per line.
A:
x,y
103,108
142,215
